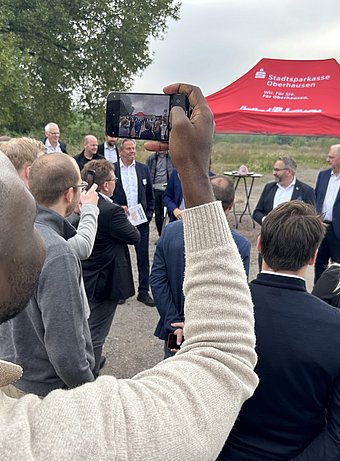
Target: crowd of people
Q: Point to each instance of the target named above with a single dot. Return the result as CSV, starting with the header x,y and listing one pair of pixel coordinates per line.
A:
x,y
253,373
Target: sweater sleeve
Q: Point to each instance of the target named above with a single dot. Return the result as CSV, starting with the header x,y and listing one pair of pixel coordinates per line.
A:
x,y
82,242
184,407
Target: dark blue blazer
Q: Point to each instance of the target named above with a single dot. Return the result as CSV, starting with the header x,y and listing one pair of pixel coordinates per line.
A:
x,y
145,190
295,410
173,195
167,275
265,204
320,191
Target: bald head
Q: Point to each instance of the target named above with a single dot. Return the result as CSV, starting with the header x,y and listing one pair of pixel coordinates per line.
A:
x,y
22,250
90,146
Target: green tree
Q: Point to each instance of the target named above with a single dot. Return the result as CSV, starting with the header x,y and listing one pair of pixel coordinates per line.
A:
x,y
79,50
14,83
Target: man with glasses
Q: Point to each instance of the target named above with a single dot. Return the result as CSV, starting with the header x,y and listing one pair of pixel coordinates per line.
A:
x,y
284,188
107,272
51,338
52,139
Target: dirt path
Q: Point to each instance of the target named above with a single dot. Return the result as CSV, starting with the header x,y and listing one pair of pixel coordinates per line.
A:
x,y
131,346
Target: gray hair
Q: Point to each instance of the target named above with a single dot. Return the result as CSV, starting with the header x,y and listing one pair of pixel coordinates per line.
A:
x,y
336,147
289,163
48,126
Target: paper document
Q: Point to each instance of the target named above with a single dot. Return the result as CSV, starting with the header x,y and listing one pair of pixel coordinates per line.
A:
x,y
136,215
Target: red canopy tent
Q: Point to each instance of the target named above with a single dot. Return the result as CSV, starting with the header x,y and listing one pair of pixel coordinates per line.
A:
x,y
280,96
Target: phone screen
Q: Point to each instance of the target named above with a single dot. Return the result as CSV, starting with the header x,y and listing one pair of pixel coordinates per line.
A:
x,y
172,341
90,178
138,115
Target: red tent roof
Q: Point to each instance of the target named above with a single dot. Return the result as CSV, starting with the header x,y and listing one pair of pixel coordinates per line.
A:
x,y
280,96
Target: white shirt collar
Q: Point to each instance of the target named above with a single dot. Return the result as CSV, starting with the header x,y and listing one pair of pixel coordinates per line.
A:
x,y
124,166
292,184
283,275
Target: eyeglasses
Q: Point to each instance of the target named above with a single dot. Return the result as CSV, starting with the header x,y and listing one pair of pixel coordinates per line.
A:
x,y
112,179
280,169
83,185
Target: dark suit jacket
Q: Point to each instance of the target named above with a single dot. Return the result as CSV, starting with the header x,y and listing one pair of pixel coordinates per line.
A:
x,y
173,195
326,288
145,190
265,204
101,150
295,411
320,192
167,274
107,272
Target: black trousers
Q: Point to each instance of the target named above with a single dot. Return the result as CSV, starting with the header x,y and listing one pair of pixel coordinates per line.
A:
x,y
328,250
143,264
100,321
159,210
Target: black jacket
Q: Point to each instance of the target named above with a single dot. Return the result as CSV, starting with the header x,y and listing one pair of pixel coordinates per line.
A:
x,y
107,272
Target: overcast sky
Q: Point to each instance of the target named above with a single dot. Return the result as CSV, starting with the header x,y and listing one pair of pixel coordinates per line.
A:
x,y
217,41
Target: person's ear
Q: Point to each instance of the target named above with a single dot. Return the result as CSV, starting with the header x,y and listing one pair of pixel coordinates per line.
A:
x,y
258,244
68,194
312,259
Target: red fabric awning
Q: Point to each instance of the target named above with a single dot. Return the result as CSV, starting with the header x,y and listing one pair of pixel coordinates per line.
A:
x,y
280,96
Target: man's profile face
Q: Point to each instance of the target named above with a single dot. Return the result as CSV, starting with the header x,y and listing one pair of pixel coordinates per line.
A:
x,y
53,134
128,152
74,204
281,174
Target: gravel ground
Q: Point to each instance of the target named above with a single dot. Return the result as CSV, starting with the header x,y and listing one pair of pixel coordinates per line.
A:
x,y
131,346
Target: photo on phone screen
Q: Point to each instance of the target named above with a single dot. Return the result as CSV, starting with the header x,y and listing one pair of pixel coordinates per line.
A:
x,y
141,115
172,341
90,178
138,115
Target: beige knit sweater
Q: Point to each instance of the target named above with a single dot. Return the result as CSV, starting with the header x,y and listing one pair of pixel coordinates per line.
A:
x,y
184,407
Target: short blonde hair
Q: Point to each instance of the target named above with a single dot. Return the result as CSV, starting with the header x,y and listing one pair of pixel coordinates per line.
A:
x,y
22,151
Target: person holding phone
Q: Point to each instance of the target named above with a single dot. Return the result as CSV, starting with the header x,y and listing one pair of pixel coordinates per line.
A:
x,y
183,407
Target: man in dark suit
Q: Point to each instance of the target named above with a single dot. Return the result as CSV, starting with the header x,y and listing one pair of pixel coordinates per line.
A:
x,y
109,149
294,413
328,203
173,197
107,272
134,186
167,272
285,187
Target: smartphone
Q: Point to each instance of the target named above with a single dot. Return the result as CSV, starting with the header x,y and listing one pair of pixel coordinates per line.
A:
x,y
172,341
90,175
142,115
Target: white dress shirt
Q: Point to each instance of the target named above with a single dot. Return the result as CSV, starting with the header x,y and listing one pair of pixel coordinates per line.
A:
x,y
283,194
331,194
50,149
129,179
110,152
